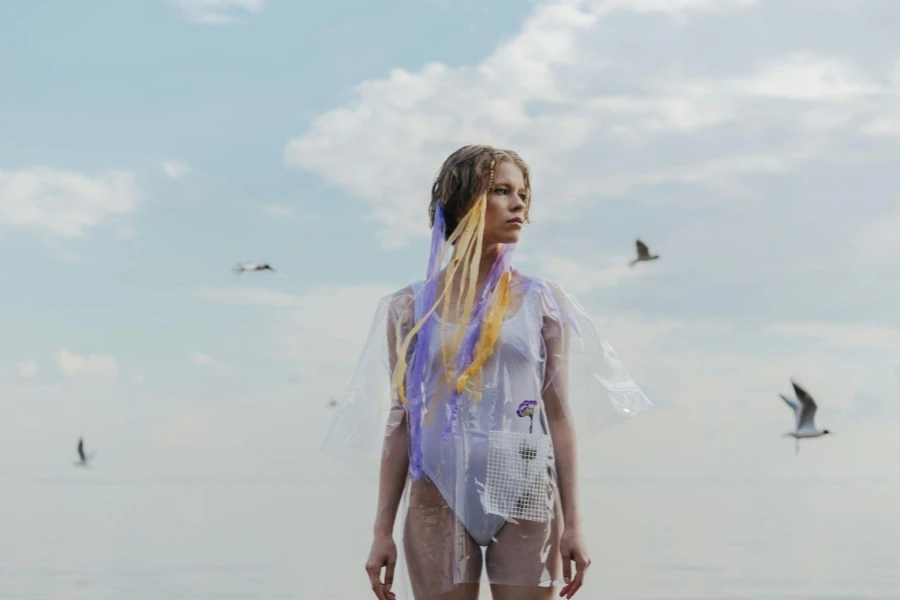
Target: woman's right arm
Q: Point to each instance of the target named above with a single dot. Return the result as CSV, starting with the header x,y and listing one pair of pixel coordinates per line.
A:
x,y
395,452
391,481
394,468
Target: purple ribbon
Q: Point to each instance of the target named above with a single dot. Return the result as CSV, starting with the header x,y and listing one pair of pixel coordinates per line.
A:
x,y
415,376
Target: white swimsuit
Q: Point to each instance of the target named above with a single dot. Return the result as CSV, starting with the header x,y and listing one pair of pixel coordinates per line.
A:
x,y
514,372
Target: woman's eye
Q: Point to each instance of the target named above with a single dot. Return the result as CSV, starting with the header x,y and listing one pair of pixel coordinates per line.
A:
x,y
500,191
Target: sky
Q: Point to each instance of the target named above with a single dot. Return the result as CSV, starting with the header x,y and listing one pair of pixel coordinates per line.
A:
x,y
146,147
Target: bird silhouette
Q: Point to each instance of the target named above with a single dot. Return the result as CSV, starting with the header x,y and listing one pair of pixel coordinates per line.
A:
x,y
241,267
83,458
643,253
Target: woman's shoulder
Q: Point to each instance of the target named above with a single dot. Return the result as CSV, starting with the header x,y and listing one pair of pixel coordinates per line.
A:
x,y
554,300
402,298
528,282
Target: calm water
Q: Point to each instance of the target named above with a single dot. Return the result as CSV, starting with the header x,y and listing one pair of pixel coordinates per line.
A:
x,y
84,537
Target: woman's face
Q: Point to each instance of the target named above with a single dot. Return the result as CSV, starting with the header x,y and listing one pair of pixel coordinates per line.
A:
x,y
505,211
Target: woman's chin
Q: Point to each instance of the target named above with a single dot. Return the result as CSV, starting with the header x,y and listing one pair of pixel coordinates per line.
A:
x,y
509,238
505,238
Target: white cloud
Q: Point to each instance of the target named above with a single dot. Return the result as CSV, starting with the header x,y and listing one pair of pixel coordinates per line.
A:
x,y
419,118
582,277
727,175
566,89
174,170
670,7
51,203
807,77
246,296
205,360
277,210
218,12
70,364
28,369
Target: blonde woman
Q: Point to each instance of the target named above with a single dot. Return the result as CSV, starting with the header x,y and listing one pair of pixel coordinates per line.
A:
x,y
465,401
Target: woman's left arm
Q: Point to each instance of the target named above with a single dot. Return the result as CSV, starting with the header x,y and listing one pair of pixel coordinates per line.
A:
x,y
562,432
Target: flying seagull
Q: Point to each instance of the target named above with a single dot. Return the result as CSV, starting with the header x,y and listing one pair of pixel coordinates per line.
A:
x,y
83,462
805,413
241,267
643,253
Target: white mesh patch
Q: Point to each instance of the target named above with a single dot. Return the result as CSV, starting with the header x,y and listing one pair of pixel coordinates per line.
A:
x,y
518,479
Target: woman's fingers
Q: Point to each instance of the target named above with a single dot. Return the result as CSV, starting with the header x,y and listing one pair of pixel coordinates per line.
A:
x,y
573,584
389,573
374,571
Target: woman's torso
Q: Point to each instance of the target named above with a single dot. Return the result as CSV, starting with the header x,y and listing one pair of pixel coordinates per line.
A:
x,y
513,373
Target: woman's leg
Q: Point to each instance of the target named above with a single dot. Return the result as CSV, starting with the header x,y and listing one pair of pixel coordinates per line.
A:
x,y
433,540
525,557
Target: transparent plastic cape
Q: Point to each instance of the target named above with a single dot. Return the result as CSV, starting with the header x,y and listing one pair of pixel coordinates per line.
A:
x,y
487,498
466,405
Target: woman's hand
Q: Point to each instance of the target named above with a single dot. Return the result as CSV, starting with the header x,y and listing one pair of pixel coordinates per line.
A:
x,y
382,555
573,549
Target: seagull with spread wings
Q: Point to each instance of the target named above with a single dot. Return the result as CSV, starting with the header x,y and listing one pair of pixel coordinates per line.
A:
x,y
804,408
241,267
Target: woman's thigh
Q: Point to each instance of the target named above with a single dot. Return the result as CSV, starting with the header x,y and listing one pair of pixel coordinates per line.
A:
x,y
444,562
524,561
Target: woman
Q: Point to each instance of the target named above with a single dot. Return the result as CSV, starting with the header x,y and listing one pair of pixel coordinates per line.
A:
x,y
480,373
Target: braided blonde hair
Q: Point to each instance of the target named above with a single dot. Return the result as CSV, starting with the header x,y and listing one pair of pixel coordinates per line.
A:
x,y
465,176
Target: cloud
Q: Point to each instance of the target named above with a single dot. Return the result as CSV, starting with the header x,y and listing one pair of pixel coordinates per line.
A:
x,y
246,296
807,77
103,366
583,277
670,7
63,204
174,170
28,369
218,12
594,116
205,360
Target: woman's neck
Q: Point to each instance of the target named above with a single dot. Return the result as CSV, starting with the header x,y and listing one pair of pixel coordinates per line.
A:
x,y
489,256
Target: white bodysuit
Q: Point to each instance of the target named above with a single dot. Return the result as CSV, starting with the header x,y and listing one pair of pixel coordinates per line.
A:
x,y
513,373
